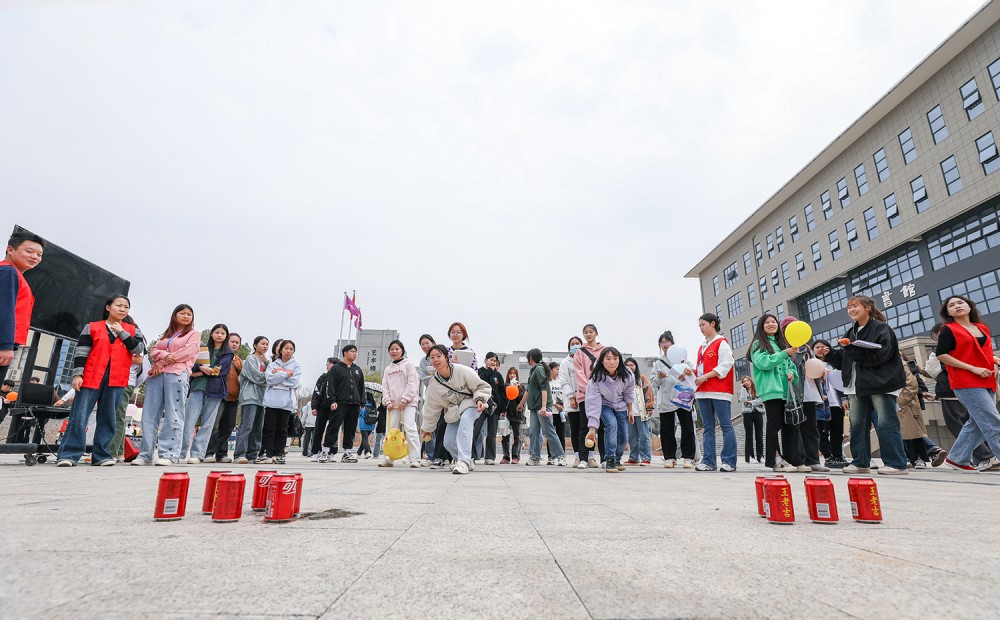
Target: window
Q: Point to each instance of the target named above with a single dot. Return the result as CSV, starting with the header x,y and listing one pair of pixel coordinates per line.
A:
x,y
862,179
746,263
870,224
834,245
891,210
936,120
952,178
738,336
842,195
881,165
816,257
852,235
742,366
770,245
920,200
753,322
827,205
786,274
822,302
832,334
715,284
994,70
731,275
780,311
718,310
971,235
887,273
810,220
775,282
907,147
735,305
793,225
983,289
800,265
763,288
971,100
911,318
988,156
758,254
779,237
751,295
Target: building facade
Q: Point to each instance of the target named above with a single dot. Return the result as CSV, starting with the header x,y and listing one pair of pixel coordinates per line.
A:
x,y
373,348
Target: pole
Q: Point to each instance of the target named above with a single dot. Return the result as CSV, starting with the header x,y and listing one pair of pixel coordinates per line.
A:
x,y
343,309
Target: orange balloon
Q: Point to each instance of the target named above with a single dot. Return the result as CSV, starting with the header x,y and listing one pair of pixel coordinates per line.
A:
x,y
512,392
11,397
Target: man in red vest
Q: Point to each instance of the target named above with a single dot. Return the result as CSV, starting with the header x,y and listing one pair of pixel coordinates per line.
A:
x,y
24,251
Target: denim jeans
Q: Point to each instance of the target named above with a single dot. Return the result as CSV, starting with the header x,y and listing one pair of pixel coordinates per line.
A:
x,y
983,424
165,396
74,440
458,436
615,432
713,410
543,424
198,405
878,409
246,446
640,444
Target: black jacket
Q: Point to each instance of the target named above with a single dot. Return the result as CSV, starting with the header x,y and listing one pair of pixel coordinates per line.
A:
x,y
319,392
881,370
345,385
495,379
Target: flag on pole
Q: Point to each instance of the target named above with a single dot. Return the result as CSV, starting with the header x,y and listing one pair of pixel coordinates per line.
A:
x,y
351,307
357,321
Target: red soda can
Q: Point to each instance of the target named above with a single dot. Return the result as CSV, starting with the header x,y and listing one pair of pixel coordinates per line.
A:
x,y
209,500
229,498
261,482
759,484
865,506
298,493
171,496
778,501
821,499
281,498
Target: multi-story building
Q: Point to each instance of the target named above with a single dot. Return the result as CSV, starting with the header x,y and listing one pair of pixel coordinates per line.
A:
x,y
373,348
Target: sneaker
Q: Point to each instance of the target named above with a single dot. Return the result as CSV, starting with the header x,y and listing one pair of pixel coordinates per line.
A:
x,y
937,459
225,459
670,463
209,459
385,463
836,463
322,458
505,461
460,468
688,463
704,467
472,466
620,465
141,462
550,461
785,467
348,458
162,462
244,460
593,463
515,460
582,465
968,469
425,462
819,468
193,461
561,462
994,467
854,469
611,467
631,462
805,469
920,464
479,462
261,460
65,463
280,460
989,464
105,463
885,470
489,462
645,463
727,468
533,462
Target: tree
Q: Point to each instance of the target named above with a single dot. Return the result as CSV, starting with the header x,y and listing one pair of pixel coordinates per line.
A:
x,y
243,351
373,376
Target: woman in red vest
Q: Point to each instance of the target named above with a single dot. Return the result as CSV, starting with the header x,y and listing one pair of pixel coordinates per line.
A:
x,y
715,394
966,347
101,372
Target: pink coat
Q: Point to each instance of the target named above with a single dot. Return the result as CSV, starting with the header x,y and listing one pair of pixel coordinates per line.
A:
x,y
400,384
183,348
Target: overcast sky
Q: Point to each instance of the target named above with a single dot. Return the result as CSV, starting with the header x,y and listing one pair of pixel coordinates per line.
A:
x,y
522,167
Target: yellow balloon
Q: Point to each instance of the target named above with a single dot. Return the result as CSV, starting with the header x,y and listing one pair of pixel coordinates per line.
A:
x,y
798,333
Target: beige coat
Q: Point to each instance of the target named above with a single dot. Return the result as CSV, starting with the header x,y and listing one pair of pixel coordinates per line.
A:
x,y
462,390
911,418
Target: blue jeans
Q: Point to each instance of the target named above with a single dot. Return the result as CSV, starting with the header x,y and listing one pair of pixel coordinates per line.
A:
x,y
983,424
458,436
880,410
198,405
615,432
640,445
543,424
245,444
74,440
713,410
165,396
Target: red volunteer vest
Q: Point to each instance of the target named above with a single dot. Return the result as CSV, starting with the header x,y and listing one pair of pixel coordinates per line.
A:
x,y
708,357
22,307
967,349
104,352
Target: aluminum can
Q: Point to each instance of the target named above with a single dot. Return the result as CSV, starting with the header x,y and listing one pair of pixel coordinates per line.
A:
x,y
778,501
209,500
865,506
261,483
821,499
298,493
281,498
759,484
171,496
229,498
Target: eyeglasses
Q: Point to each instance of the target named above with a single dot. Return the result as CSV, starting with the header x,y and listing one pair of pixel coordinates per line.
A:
x,y
455,332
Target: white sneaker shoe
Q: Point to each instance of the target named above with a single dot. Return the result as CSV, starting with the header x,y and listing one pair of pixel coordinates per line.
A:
x,y
415,464
480,462
561,461
226,459
593,463
244,460
854,469
193,461
885,470
162,462
472,466
460,468
208,459
140,462
582,465
490,462
670,463
785,467
688,464
989,464
920,464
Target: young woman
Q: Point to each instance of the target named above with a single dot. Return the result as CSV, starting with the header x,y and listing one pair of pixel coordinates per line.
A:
x,y
965,346
400,388
610,395
100,374
566,380
218,448
515,417
557,410
424,372
584,362
831,433
753,420
811,394
252,386
666,392
640,447
538,402
135,377
873,378
458,335
773,374
173,355
282,376
365,427
207,391
714,394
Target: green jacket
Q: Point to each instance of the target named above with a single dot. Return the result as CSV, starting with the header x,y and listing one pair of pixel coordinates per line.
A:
x,y
770,371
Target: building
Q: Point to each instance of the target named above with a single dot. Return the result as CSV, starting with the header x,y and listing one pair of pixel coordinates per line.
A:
x,y
373,348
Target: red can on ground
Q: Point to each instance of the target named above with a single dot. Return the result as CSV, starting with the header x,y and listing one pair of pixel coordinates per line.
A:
x,y
171,496
208,501
759,484
229,498
261,483
281,498
822,500
865,506
778,501
298,494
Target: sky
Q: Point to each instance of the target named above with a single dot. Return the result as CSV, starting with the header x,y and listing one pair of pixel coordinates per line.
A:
x,y
522,167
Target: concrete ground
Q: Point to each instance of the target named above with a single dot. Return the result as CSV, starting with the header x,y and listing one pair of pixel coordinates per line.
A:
x,y
502,542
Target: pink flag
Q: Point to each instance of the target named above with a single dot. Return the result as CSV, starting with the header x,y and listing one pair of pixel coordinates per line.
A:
x,y
351,307
357,321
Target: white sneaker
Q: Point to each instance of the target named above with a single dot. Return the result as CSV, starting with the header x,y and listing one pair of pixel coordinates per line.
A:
x,y
819,468
688,464
593,463
193,461
425,462
803,469
244,460
920,464
65,463
472,466
988,464
785,467
162,462
533,462
480,462
854,469
581,465
460,468
141,462
670,463
704,467
891,471
727,468
315,458
386,462
226,459
208,459
490,462
415,464
561,461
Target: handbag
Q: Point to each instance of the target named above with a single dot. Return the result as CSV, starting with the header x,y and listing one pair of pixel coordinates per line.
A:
x,y
794,414
491,405
395,444
370,414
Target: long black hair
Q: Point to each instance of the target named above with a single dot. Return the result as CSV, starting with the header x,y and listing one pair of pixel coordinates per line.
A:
x,y
600,373
401,347
762,342
211,343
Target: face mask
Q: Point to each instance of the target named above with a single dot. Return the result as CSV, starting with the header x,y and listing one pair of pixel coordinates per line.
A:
x,y
573,349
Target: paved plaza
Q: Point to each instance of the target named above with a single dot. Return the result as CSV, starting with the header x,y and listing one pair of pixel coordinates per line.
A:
x,y
503,542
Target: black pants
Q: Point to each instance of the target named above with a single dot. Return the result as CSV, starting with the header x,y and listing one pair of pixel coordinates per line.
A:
x,y
225,422
487,449
344,416
275,431
573,417
582,449
775,424
440,453
916,449
323,416
512,443
668,440
365,447
955,415
307,435
753,426
810,435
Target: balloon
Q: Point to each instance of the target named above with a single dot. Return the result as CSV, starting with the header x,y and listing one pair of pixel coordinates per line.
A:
x,y
815,368
131,410
512,392
11,397
798,333
676,354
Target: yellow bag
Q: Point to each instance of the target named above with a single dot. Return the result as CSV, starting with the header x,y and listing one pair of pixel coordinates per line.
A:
x,y
395,445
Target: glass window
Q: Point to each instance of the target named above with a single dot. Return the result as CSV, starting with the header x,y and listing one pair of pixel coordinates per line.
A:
x,y
822,302
751,295
775,282
753,323
834,245
971,235
870,224
911,318
936,120
920,200
994,70
971,100
952,178
881,165
718,310
735,305
731,275
763,288
827,205
842,195
810,220
746,263
891,210
779,311
862,179
907,147
832,334
758,254
738,335
983,289
800,265
715,284
988,156
884,274
779,238
770,245
852,235
793,227
786,274
817,257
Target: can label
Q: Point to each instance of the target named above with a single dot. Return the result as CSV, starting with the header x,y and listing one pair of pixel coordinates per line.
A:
x,y
170,506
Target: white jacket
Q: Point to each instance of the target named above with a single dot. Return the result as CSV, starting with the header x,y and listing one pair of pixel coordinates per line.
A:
x,y
665,388
460,391
566,379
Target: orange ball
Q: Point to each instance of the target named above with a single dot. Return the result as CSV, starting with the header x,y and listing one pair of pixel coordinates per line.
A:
x,y
11,397
512,392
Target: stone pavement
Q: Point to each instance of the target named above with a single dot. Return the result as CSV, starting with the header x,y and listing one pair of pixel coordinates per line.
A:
x,y
502,542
